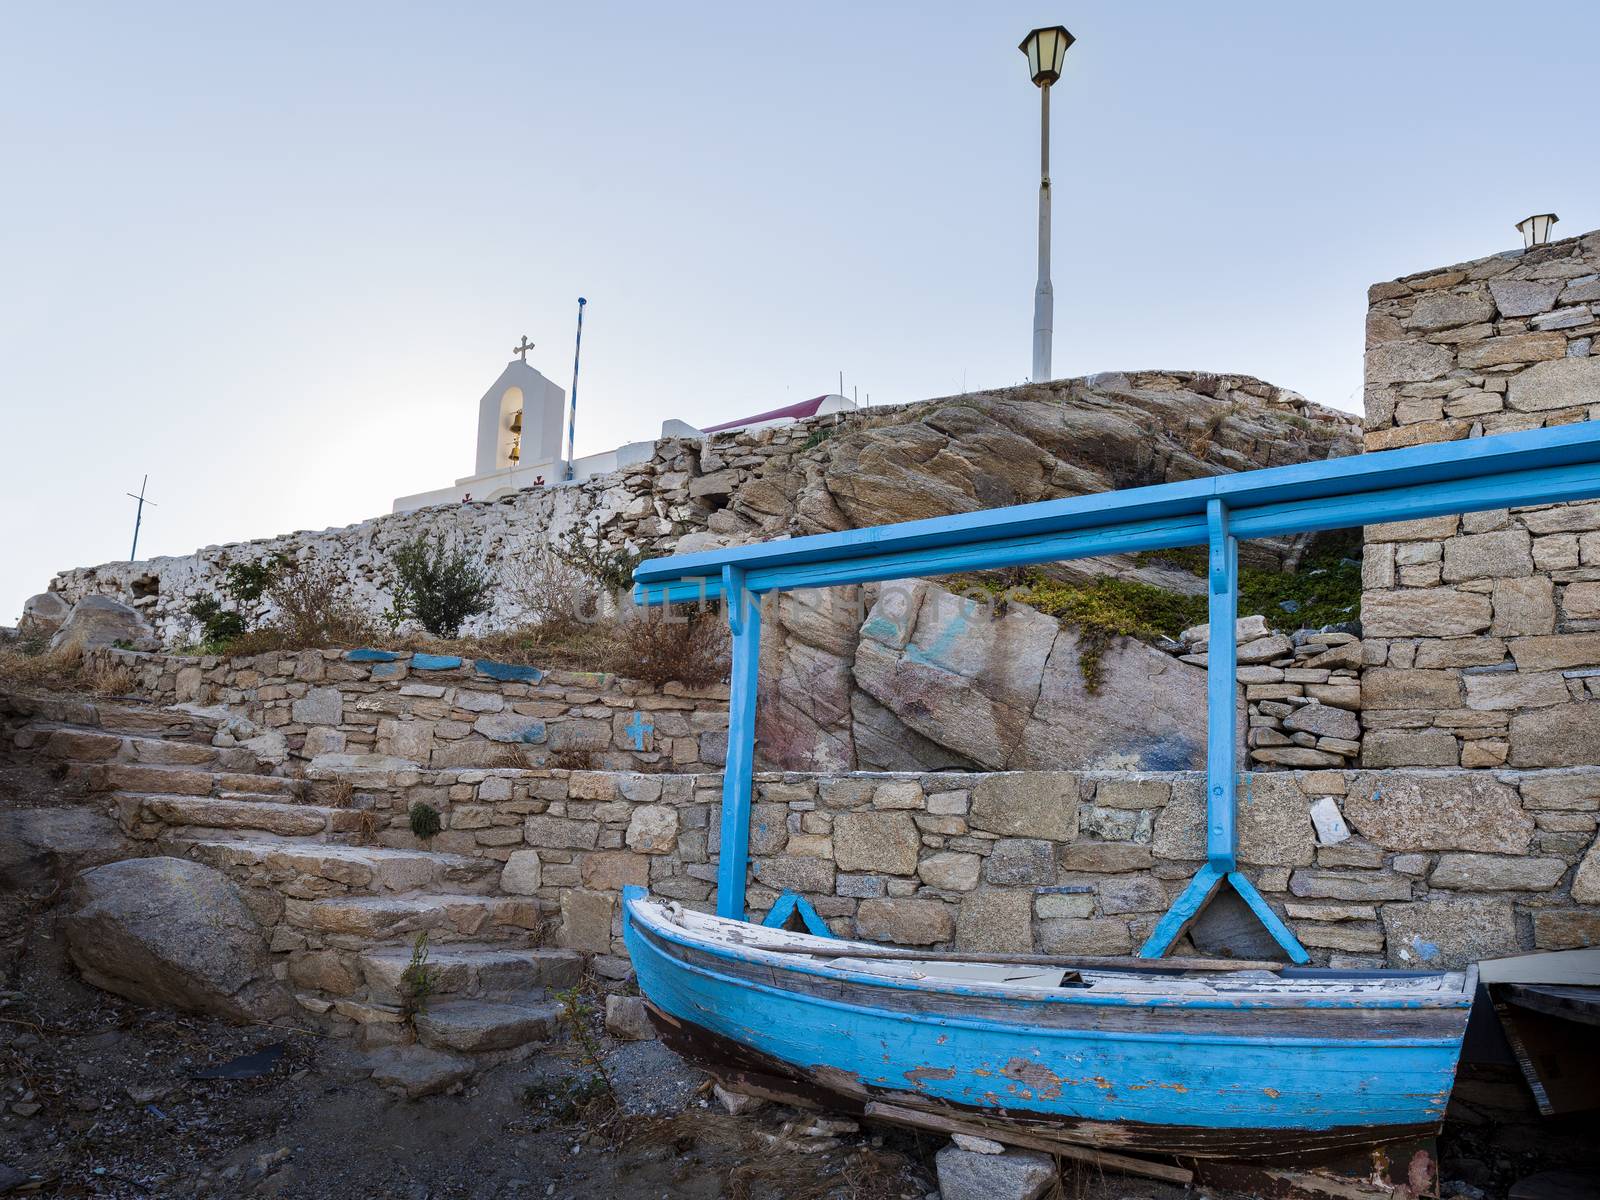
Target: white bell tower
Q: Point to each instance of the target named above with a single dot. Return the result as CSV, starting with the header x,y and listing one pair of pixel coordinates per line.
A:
x,y
519,424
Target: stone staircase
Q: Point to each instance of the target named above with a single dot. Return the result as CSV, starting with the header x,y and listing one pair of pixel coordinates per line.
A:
x,y
344,917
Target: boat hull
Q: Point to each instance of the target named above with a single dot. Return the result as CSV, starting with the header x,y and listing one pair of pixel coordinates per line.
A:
x,y
1245,1080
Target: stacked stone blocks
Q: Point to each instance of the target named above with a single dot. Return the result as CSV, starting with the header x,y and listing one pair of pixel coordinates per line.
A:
x,y
339,713
1482,631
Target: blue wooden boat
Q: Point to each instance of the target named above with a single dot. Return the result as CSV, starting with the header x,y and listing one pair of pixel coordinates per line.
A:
x,y
1145,1056
1190,1059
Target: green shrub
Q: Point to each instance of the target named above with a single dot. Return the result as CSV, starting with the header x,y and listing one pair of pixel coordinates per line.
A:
x,y
244,583
425,821
417,982
438,586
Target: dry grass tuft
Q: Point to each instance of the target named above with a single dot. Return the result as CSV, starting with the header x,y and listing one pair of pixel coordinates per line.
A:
x,y
29,662
570,758
337,793
509,758
108,681
48,668
660,646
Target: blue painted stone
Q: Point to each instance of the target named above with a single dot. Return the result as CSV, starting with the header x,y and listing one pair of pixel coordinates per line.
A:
x,y
388,670
510,727
374,656
435,662
508,672
640,730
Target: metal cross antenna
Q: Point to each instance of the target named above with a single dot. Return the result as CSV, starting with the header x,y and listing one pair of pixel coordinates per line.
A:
x,y
138,517
522,350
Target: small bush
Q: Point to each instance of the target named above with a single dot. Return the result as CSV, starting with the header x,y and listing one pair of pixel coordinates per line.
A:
x,y
659,646
438,586
312,607
551,588
608,566
425,821
244,584
219,627
418,981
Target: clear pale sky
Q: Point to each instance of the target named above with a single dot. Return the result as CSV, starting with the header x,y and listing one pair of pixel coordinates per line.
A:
x,y
272,255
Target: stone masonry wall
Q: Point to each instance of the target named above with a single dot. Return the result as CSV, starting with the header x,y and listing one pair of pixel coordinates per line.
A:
x,y
328,712
1404,867
1482,632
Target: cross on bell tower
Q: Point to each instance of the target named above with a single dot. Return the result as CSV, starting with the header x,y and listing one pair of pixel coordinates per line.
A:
x,y
522,350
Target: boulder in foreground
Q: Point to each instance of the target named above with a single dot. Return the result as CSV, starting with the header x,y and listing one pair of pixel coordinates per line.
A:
x,y
174,934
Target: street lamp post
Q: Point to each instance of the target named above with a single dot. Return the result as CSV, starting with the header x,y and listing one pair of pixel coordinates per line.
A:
x,y
1045,48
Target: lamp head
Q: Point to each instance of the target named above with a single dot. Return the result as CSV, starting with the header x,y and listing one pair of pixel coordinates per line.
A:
x,y
1535,230
1046,48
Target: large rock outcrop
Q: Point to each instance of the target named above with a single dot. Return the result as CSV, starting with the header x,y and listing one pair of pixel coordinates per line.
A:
x,y
824,687
941,680
174,934
876,465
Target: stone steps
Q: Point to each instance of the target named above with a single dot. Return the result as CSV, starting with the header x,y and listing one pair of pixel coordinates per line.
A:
x,y
354,922
126,719
77,744
309,870
189,780
177,815
479,1026
469,970
490,1030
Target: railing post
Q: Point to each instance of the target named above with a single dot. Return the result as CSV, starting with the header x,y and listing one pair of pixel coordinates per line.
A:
x,y
744,621
1222,719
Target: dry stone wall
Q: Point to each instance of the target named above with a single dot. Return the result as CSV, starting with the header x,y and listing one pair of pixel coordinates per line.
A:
x,y
1406,868
1482,632
336,713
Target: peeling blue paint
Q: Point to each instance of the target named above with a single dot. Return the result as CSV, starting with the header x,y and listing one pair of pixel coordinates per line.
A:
x,y
1190,1076
434,662
366,654
1426,951
388,670
937,653
507,672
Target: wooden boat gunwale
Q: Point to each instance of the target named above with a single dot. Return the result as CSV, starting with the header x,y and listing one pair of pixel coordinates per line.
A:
x,y
1027,995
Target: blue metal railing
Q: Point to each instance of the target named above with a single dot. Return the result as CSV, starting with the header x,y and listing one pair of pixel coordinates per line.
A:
x,y
1540,466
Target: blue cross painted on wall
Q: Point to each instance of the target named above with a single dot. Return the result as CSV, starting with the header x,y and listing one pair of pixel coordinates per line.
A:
x,y
639,729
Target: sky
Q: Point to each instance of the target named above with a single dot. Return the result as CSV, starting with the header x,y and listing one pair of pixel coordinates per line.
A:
x,y
273,255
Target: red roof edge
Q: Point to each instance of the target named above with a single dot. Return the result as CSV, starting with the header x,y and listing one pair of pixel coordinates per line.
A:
x,y
806,408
